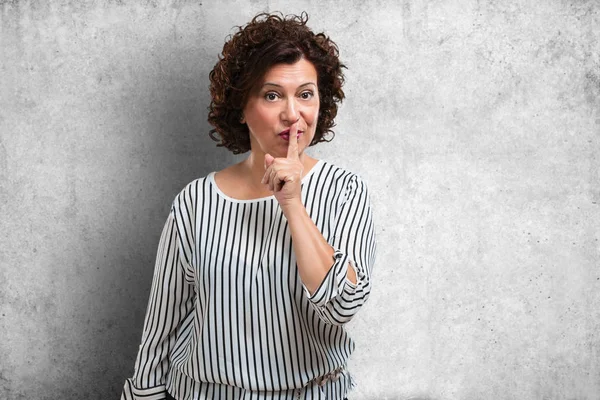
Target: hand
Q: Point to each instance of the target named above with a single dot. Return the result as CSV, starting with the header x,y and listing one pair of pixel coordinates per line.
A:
x,y
283,176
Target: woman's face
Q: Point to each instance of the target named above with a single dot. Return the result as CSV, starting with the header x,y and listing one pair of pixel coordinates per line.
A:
x,y
287,93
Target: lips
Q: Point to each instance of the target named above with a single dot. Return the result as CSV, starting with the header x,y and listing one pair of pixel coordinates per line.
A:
x,y
286,134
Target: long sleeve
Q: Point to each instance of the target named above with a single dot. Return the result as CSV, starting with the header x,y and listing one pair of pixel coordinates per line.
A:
x,y
171,301
337,299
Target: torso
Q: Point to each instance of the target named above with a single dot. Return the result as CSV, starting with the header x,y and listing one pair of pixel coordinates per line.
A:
x,y
248,293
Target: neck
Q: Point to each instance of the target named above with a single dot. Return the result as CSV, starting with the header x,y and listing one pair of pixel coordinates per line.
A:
x,y
255,168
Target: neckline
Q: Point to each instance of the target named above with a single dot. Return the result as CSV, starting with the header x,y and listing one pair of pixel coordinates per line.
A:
x,y
211,178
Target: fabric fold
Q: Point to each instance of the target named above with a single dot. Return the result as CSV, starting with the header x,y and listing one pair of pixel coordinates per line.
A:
x,y
130,392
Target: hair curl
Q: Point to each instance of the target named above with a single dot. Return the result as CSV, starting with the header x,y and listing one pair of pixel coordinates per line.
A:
x,y
270,39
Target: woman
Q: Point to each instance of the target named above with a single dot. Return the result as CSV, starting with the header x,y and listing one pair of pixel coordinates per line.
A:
x,y
261,265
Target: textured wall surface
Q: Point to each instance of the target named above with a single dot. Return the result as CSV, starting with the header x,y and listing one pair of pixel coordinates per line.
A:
x,y
476,124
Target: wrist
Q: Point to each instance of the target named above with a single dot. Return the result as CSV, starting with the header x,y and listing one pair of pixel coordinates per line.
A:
x,y
293,209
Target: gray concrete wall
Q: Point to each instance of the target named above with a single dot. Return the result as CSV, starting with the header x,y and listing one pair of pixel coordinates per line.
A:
x,y
476,124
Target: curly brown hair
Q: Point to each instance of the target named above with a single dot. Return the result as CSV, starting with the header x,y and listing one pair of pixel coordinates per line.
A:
x,y
267,40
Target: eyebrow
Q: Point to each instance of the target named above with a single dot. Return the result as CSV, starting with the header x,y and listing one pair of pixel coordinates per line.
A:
x,y
275,84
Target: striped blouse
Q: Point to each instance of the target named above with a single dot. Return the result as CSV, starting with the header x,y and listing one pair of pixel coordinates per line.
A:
x,y
228,315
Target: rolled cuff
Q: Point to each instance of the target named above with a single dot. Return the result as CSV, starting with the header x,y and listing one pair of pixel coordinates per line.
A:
x,y
130,392
334,282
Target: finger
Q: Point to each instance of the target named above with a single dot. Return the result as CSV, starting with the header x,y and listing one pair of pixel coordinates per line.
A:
x,y
278,184
284,177
265,178
293,142
268,160
273,179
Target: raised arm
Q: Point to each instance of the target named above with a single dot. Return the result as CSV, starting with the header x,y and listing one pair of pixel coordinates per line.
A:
x,y
335,291
171,301
337,299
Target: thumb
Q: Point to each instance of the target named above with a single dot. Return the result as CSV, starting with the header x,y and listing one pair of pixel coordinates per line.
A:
x,y
268,160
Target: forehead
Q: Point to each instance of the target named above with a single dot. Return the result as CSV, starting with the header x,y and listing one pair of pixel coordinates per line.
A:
x,y
298,73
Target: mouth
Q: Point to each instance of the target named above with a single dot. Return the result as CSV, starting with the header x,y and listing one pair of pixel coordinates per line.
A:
x,y
286,134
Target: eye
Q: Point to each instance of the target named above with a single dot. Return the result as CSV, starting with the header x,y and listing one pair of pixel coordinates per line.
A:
x,y
271,96
307,95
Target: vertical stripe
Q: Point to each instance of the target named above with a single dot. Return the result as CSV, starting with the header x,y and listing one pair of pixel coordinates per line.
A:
x,y
228,315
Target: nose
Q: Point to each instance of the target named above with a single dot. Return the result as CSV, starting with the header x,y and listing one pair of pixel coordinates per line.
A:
x,y
290,113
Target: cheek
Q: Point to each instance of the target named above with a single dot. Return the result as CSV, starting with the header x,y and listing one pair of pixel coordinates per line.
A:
x,y
259,118
312,115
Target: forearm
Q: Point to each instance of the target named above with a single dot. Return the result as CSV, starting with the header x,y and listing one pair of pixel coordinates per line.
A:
x,y
314,255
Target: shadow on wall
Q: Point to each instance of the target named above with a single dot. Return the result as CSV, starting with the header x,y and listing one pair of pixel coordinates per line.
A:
x,y
173,148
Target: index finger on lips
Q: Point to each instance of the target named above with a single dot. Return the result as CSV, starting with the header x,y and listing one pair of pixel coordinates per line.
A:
x,y
293,142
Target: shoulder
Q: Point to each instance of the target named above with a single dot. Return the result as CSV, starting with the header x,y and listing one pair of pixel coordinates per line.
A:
x,y
344,176
187,198
185,205
338,169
